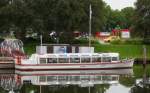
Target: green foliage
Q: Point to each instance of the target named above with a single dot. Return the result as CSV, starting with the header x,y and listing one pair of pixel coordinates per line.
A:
x,y
123,19
1,40
80,41
142,21
117,42
30,47
84,41
127,81
146,40
129,14
44,16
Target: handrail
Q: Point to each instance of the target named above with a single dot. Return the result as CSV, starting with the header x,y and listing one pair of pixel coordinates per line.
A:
x,y
127,60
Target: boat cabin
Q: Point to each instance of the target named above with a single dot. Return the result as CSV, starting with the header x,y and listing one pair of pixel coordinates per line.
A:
x,y
78,58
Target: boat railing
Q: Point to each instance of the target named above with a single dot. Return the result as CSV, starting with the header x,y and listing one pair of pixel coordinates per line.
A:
x,y
127,60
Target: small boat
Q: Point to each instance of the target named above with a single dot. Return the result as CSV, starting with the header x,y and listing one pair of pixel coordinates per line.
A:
x,y
72,61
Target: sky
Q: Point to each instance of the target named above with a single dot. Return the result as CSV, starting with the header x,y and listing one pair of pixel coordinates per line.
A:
x,y
120,4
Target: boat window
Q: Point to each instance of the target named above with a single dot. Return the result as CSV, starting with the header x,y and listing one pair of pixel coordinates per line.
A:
x,y
51,78
114,58
84,78
52,60
75,60
85,60
42,78
106,78
114,78
106,59
98,77
96,59
63,60
74,78
62,78
42,60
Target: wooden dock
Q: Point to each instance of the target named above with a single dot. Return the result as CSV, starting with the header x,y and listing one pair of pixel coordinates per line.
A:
x,y
7,63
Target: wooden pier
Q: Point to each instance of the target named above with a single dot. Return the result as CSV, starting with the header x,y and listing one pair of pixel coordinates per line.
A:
x,y
7,63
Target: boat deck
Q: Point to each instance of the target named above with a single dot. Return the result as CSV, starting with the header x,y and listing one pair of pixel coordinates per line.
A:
x,y
7,63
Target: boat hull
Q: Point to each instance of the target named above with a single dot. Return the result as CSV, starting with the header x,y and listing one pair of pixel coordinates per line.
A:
x,y
75,66
77,72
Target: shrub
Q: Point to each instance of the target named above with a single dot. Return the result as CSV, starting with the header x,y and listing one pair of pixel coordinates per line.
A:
x,y
1,40
146,41
127,41
133,41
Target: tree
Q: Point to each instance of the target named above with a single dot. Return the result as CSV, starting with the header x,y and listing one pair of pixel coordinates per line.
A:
x,y
4,20
44,16
142,24
128,13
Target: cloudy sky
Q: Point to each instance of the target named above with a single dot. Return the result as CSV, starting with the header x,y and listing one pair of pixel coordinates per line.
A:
x,y
119,4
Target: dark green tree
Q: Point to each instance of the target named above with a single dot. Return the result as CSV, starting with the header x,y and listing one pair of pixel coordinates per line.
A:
x,y
142,19
129,14
44,16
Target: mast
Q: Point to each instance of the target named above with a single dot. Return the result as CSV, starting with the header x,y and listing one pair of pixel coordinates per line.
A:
x,y
90,17
41,39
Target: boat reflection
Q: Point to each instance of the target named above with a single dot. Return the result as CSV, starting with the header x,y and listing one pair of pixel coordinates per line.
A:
x,y
53,79
8,82
81,77
81,80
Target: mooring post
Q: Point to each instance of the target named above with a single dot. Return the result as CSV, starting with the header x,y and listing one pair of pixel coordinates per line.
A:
x,y
144,55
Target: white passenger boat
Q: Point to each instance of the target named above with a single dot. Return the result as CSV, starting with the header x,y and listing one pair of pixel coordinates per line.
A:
x,y
73,61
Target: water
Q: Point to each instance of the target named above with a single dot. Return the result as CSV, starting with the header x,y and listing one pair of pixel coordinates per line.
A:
x,y
93,81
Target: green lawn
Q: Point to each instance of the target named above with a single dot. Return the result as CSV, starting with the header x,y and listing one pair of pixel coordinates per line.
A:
x,y
130,51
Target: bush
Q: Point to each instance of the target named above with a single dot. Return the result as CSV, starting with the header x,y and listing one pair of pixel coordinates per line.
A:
x,y
146,41
133,41
127,41
84,41
1,40
80,41
116,42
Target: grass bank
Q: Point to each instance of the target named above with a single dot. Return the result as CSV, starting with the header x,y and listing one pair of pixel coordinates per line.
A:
x,y
130,51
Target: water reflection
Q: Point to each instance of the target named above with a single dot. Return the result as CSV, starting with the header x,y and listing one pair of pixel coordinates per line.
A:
x,y
92,81
9,83
142,85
